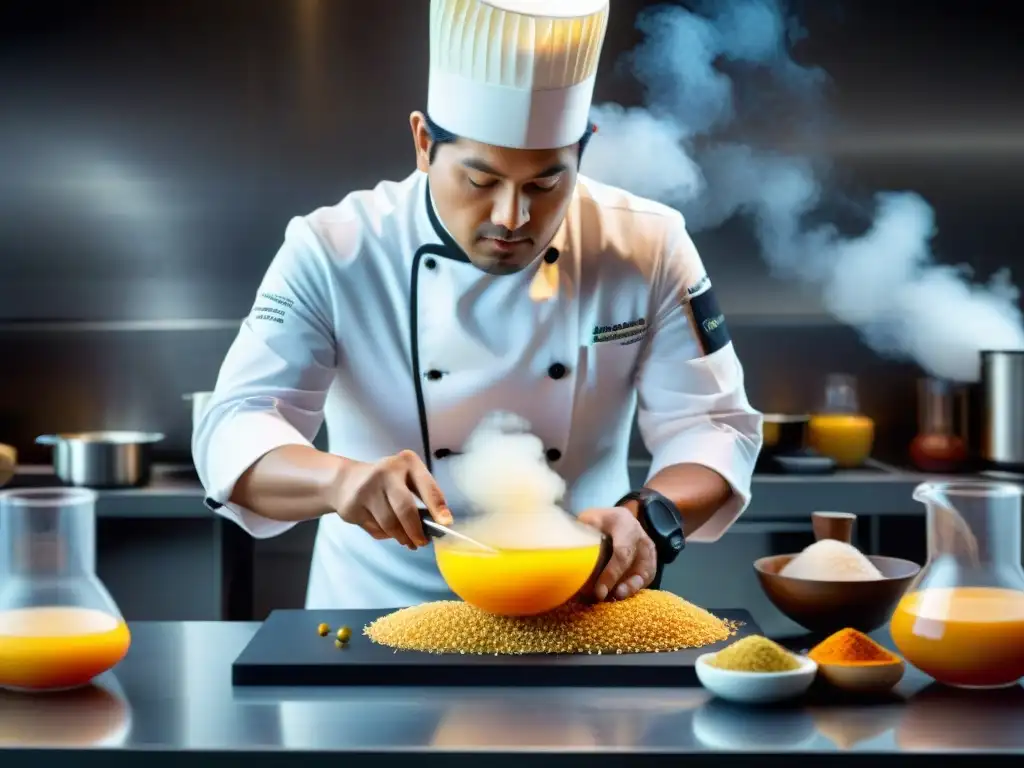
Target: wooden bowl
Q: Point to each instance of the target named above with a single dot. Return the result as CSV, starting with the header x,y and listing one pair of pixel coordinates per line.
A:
x,y
870,678
8,463
828,606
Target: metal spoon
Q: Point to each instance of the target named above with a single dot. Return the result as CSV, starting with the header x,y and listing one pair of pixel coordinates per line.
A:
x,y
435,530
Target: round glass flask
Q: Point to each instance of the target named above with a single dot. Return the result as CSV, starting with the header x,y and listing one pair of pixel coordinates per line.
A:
x,y
59,626
962,619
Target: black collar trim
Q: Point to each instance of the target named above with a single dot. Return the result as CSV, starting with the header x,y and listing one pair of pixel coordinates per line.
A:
x,y
451,249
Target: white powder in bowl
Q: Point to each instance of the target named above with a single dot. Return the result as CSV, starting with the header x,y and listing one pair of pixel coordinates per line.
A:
x,y
831,560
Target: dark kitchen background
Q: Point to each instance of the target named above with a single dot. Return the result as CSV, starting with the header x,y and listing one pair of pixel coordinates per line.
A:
x,y
151,154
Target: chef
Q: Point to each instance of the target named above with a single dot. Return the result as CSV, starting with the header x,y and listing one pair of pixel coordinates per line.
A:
x,y
493,278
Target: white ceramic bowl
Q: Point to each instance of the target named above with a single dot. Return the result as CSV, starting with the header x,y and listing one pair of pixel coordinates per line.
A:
x,y
756,687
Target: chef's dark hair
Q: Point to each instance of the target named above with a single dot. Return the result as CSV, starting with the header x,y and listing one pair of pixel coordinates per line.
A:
x,y
440,136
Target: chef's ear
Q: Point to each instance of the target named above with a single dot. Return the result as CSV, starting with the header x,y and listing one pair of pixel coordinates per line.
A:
x,y
421,139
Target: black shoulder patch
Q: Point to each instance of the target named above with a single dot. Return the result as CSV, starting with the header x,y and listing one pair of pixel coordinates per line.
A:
x,y
708,321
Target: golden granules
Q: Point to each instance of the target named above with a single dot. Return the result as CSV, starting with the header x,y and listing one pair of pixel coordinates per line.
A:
x,y
648,622
755,654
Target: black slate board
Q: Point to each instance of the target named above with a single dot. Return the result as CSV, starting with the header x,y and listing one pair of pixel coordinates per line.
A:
x,y
287,651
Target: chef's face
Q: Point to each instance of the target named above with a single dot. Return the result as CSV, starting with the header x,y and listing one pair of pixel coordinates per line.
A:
x,y
502,206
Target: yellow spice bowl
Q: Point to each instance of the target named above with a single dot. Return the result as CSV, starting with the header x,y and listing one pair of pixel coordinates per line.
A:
x,y
520,582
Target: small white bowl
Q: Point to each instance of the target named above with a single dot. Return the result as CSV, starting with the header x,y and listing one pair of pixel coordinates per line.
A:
x,y
756,687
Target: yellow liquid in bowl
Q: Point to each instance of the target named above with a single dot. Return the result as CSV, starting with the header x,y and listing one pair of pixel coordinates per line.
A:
x,y
845,438
516,582
964,636
59,647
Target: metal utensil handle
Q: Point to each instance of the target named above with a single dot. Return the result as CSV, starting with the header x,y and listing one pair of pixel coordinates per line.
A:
x,y
435,530
431,528
48,440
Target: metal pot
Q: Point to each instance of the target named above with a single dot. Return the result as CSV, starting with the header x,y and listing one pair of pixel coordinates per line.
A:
x,y
102,459
1002,412
784,433
199,402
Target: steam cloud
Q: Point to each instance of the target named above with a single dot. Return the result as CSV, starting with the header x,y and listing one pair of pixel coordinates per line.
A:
x,y
503,473
885,282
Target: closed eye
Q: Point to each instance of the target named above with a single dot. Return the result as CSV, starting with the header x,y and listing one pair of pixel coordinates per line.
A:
x,y
547,186
533,186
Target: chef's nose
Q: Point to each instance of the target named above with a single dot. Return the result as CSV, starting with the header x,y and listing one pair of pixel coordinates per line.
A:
x,y
511,210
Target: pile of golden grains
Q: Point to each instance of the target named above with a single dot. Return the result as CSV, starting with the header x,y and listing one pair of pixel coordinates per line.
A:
x,y
755,654
649,622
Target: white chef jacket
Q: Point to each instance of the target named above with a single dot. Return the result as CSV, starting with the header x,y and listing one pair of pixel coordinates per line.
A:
x,y
370,319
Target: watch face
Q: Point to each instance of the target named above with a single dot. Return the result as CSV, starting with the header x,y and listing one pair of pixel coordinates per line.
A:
x,y
665,528
665,519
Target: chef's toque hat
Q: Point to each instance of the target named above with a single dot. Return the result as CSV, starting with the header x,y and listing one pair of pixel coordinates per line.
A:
x,y
515,73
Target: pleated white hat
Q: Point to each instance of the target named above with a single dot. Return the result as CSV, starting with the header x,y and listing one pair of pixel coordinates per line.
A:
x,y
515,73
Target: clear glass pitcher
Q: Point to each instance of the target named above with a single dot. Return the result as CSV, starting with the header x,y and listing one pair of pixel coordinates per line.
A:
x,y
59,626
962,619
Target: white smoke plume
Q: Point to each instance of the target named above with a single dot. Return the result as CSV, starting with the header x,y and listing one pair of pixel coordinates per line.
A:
x,y
885,282
504,475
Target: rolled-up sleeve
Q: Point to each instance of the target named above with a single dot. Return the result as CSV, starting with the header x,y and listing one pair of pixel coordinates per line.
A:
x,y
692,403
274,380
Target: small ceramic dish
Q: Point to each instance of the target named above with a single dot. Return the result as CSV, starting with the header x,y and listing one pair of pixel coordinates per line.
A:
x,y
756,687
871,678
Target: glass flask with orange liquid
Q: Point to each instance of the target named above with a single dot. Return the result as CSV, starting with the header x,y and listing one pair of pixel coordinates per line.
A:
x,y
59,626
838,429
962,619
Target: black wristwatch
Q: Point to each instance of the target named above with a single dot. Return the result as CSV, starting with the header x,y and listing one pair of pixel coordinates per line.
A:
x,y
662,522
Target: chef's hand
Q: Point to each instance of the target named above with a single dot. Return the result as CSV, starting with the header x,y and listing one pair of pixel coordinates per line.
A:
x,y
634,559
383,497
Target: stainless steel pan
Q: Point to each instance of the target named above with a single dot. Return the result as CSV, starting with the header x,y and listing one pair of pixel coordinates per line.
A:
x,y
102,459
1002,389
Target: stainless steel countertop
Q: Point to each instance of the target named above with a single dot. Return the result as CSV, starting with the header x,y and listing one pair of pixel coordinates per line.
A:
x,y
173,695
882,491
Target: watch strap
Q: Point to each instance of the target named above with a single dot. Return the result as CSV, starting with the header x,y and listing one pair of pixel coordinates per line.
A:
x,y
665,529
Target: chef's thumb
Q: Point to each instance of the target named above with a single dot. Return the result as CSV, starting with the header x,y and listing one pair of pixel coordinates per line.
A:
x,y
431,495
434,499
439,511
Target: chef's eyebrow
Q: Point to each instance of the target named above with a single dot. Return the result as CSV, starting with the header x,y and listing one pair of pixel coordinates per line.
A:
x,y
479,165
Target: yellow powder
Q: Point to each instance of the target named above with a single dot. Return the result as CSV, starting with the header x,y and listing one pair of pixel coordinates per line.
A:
x,y
755,654
649,622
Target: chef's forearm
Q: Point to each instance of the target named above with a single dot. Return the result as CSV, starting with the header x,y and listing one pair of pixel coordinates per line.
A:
x,y
290,484
698,492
